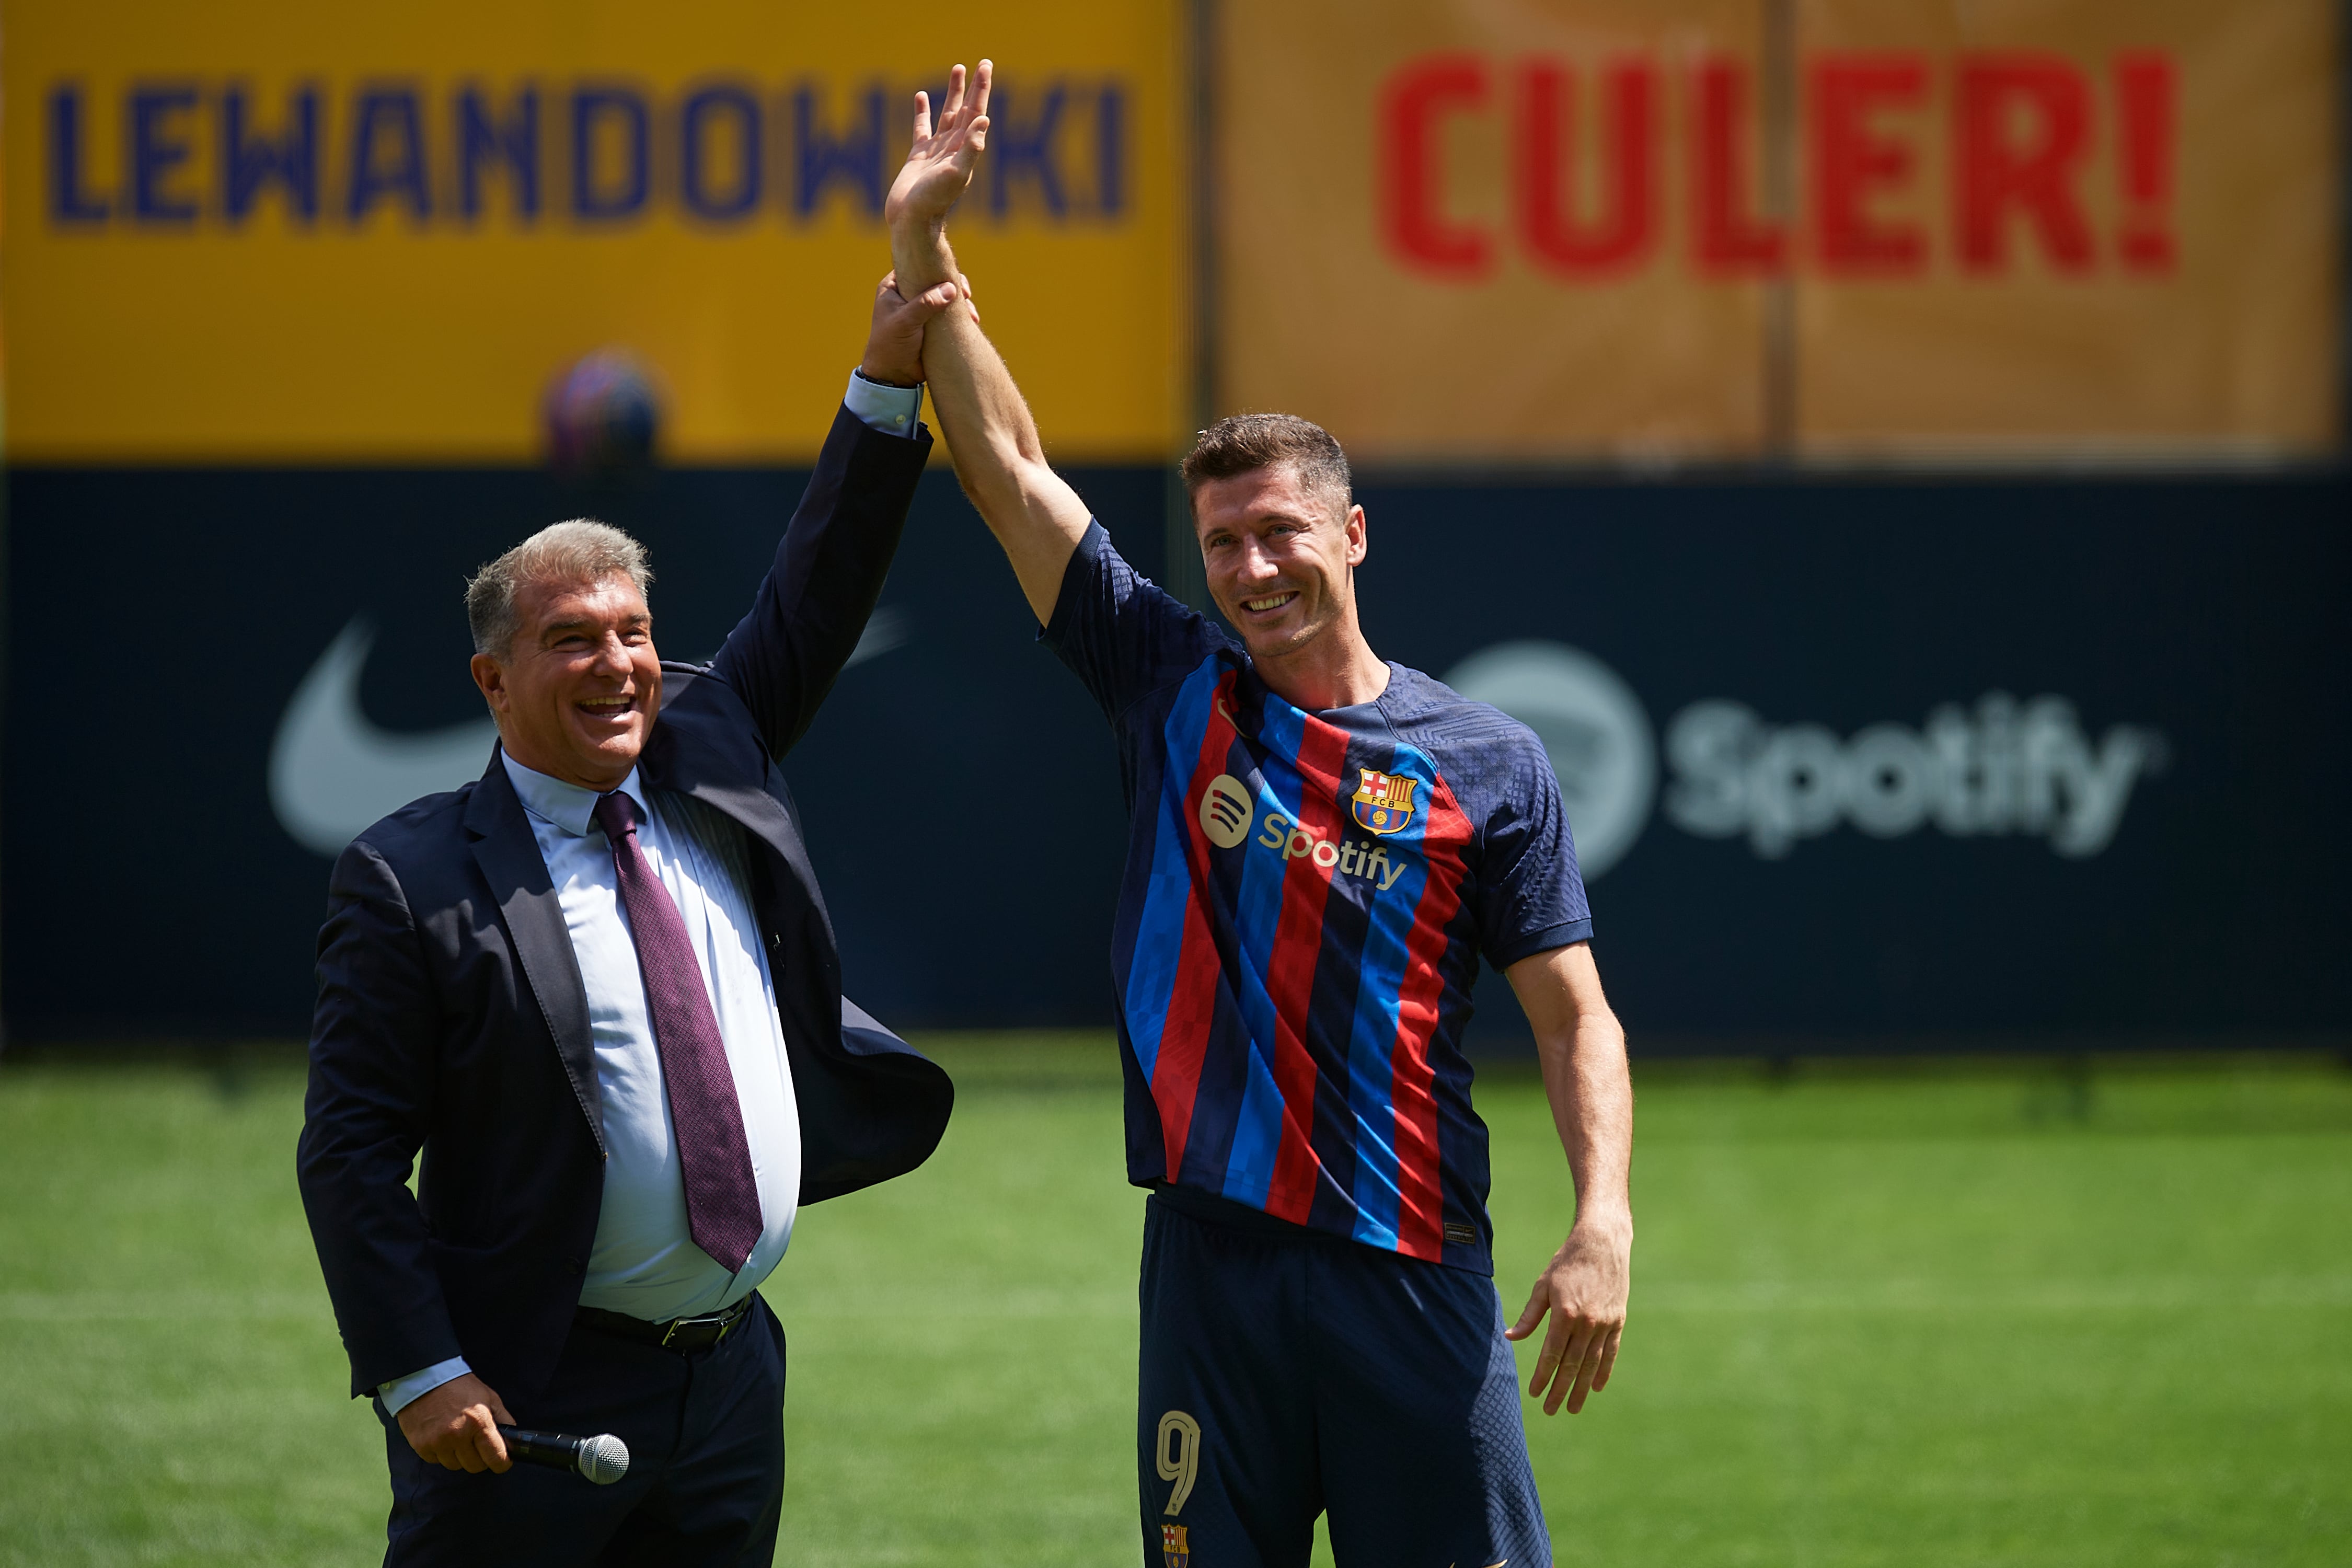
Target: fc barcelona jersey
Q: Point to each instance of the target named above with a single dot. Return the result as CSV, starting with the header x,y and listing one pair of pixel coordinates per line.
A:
x,y
1300,920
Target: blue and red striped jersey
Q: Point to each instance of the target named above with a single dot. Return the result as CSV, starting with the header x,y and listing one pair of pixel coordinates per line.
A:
x,y
1301,916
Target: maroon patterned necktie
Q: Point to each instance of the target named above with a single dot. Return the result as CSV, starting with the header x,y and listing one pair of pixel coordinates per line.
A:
x,y
722,1197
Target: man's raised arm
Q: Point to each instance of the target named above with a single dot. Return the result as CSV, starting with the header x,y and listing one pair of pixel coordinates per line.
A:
x,y
812,605
999,459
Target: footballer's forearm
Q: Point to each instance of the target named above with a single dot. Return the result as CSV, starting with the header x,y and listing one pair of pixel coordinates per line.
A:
x,y
1582,1050
920,256
998,458
1591,1096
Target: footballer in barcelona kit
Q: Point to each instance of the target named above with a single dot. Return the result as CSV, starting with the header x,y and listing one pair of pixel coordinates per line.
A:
x,y
1321,849
1306,900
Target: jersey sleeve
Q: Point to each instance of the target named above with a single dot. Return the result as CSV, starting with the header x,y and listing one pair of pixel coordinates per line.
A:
x,y
1120,633
1531,894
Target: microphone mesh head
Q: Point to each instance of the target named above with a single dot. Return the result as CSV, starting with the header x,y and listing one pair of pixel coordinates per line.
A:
x,y
603,1459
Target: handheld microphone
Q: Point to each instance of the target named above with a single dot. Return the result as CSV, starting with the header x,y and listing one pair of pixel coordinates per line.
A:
x,y
602,1460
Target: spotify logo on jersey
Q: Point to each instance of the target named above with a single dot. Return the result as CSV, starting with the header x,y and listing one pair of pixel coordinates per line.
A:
x,y
1226,811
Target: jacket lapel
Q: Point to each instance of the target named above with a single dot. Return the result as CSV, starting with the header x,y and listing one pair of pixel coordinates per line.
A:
x,y
508,856
668,764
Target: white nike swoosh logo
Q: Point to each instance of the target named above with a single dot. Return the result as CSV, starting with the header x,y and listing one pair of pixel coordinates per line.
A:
x,y
884,629
333,774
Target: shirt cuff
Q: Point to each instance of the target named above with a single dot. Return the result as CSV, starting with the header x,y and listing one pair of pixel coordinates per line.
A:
x,y
402,1392
893,410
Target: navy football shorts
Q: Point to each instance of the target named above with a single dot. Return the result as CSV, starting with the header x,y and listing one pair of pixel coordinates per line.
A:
x,y
1286,1373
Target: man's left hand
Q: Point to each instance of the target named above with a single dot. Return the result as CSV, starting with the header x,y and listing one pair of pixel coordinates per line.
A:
x,y
1583,1292
894,344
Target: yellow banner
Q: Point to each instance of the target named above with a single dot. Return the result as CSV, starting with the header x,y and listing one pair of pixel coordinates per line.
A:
x,y
1665,229
276,232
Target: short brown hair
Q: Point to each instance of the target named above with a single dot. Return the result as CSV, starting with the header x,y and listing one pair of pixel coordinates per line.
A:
x,y
1245,442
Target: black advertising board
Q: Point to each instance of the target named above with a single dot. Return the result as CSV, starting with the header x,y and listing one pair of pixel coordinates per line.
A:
x,y
1885,762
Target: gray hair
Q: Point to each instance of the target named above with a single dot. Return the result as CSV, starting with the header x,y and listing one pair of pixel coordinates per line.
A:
x,y
581,550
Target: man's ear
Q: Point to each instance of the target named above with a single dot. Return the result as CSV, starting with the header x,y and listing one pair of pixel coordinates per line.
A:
x,y
490,676
1359,543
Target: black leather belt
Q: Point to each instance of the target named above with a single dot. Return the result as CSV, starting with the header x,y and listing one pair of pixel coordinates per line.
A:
x,y
679,1334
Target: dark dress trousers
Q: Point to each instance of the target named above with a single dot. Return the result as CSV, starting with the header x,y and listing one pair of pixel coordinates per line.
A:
x,y
451,1016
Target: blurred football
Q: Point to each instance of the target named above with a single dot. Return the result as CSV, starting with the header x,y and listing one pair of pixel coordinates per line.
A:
x,y
603,416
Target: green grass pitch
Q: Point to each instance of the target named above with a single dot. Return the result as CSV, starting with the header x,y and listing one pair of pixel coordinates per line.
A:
x,y
1938,1317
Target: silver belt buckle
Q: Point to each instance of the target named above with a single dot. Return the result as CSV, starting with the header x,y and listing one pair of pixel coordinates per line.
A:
x,y
719,1317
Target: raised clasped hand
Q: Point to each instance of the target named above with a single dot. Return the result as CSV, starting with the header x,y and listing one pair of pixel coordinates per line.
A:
x,y
893,343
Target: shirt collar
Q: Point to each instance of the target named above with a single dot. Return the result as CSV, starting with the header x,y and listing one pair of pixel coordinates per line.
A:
x,y
566,806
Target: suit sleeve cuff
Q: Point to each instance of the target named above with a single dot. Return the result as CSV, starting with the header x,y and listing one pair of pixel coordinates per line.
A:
x,y
402,1392
892,410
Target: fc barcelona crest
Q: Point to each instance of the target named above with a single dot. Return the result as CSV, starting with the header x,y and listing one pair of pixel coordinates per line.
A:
x,y
1384,801
1172,1546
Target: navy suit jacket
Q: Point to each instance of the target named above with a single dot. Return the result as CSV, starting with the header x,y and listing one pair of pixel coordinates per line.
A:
x,y
451,1016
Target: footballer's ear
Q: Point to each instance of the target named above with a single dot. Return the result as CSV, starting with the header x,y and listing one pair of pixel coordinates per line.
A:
x,y
1359,543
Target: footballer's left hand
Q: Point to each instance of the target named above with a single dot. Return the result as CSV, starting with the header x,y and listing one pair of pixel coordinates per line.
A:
x,y
940,156
1583,1292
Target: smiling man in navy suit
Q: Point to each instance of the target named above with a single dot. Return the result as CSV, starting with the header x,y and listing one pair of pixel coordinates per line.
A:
x,y
599,990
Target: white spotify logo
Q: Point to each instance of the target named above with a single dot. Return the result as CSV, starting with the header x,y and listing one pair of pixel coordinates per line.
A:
x,y
1591,724
1226,811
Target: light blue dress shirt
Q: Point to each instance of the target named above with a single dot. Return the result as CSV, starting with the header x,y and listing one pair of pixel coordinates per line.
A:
x,y
645,1262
